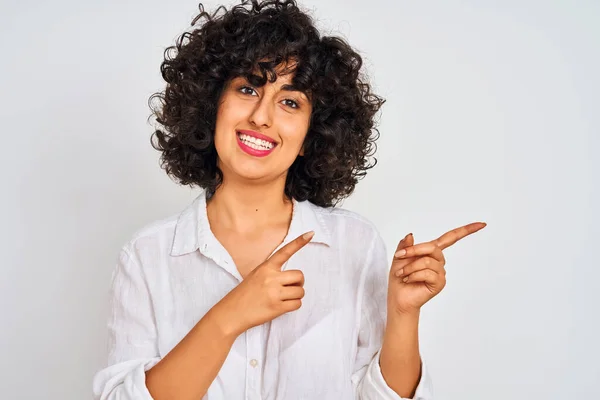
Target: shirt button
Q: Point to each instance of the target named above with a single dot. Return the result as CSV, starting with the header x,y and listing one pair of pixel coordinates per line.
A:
x,y
253,363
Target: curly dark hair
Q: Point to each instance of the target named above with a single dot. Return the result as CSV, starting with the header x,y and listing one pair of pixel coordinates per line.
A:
x,y
260,36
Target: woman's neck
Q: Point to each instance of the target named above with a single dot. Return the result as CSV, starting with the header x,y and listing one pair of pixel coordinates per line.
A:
x,y
249,209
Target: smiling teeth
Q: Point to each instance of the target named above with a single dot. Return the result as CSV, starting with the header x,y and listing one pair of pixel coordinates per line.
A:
x,y
255,143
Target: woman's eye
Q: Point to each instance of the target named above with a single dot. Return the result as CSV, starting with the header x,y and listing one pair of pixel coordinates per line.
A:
x,y
291,103
249,90
243,88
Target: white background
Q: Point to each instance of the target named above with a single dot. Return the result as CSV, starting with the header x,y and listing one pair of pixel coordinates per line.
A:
x,y
491,115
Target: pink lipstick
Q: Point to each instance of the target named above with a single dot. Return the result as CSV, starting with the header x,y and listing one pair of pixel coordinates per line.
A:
x,y
251,148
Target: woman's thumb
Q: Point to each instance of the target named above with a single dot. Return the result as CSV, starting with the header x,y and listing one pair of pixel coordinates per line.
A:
x,y
408,241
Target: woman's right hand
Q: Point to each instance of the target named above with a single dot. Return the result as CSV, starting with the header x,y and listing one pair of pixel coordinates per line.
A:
x,y
266,293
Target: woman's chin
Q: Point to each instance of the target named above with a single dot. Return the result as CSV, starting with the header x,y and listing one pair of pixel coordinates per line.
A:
x,y
251,169
251,172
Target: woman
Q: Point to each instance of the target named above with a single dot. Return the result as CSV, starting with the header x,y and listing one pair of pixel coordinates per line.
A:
x,y
262,288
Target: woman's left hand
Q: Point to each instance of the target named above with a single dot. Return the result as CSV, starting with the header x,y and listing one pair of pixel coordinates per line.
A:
x,y
417,273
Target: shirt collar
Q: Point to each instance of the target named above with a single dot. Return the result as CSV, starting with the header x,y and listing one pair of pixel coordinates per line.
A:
x,y
193,232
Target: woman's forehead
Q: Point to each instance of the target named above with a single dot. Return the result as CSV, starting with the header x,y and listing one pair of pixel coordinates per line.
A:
x,y
280,79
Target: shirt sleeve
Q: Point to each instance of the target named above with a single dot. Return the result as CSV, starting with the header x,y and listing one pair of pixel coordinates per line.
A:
x,y
367,377
132,337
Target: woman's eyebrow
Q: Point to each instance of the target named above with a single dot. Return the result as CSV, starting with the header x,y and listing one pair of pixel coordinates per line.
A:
x,y
291,88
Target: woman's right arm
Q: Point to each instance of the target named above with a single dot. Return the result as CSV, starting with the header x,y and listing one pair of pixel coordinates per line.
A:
x,y
135,369
189,369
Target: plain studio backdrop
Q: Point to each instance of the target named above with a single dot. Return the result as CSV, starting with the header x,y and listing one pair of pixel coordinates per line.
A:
x,y
491,115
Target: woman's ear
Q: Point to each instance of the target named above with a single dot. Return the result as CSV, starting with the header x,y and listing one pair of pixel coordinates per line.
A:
x,y
301,153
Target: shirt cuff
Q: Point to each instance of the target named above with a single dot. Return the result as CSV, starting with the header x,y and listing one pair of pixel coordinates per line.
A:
x,y
126,380
374,387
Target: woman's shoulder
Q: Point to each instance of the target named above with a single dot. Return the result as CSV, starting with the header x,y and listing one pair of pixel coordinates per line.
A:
x,y
154,232
340,219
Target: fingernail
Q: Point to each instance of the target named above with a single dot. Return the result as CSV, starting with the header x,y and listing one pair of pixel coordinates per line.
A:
x,y
308,235
400,272
405,279
400,253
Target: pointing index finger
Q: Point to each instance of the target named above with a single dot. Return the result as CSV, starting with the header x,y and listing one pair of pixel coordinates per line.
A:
x,y
449,238
283,254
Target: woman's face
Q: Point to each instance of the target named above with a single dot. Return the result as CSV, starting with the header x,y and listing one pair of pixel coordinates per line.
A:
x,y
275,111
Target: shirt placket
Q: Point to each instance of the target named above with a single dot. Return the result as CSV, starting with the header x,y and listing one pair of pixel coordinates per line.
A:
x,y
254,363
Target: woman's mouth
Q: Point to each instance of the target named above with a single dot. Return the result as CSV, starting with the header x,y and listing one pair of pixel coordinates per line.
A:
x,y
254,146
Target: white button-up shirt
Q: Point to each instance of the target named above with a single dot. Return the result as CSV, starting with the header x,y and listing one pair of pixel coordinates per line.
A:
x,y
174,270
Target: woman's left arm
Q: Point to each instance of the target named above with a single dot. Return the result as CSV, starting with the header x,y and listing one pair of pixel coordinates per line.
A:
x,y
399,337
417,275
400,360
